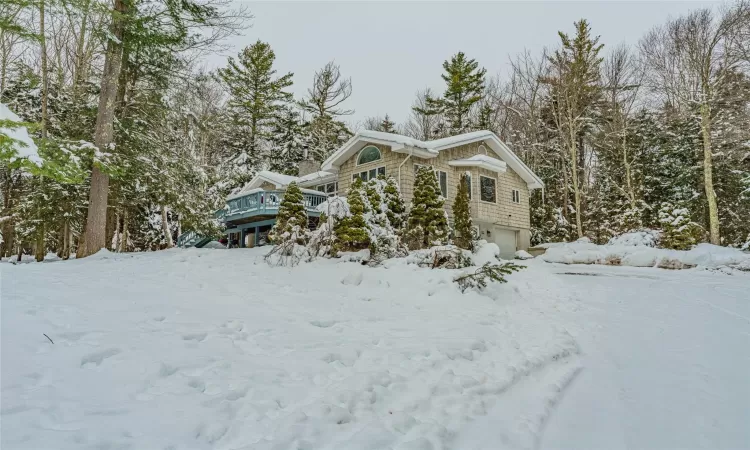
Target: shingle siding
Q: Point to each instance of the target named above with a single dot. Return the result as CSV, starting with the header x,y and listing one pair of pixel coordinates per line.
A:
x,y
503,212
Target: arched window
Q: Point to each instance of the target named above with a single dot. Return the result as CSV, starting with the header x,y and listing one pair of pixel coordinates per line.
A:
x,y
368,154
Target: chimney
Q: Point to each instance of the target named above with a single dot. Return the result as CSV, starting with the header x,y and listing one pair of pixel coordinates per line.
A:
x,y
308,166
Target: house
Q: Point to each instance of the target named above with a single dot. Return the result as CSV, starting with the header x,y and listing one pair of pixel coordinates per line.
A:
x,y
500,183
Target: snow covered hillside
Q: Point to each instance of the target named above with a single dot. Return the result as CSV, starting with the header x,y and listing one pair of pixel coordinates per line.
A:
x,y
214,349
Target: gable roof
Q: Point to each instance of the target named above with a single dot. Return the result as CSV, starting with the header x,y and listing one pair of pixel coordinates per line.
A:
x,y
430,149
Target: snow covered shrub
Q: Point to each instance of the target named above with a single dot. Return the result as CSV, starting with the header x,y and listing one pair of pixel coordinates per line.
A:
x,y
396,210
291,221
462,225
645,237
290,233
331,211
428,223
362,221
488,272
384,236
680,233
441,257
351,233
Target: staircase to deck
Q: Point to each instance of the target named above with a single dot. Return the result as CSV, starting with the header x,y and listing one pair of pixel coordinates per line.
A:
x,y
192,239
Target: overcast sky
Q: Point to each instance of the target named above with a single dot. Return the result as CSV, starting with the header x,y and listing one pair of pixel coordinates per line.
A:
x,y
392,49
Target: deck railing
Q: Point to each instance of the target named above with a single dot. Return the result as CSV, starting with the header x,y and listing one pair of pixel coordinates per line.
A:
x,y
264,202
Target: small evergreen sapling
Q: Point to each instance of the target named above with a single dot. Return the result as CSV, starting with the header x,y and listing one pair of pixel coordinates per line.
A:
x,y
428,223
462,217
680,233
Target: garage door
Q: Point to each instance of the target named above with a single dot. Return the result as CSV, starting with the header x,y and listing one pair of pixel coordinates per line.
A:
x,y
506,240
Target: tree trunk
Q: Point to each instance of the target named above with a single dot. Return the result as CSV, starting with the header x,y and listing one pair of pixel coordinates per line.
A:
x,y
708,178
45,80
39,247
80,47
66,241
165,227
576,189
124,239
95,234
116,237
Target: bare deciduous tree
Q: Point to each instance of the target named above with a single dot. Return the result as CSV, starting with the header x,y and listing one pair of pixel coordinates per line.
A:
x,y
690,60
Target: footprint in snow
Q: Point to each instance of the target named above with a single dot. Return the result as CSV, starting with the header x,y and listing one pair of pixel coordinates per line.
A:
x,y
194,336
97,358
323,323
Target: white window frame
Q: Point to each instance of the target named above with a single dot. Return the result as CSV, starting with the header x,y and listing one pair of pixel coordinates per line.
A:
x,y
377,172
494,180
440,186
380,152
324,188
515,196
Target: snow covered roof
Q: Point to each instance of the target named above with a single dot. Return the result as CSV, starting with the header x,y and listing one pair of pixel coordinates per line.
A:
x,y
279,180
430,149
24,148
316,178
483,161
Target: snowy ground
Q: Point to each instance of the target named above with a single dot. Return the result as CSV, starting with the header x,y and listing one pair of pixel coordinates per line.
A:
x,y
214,349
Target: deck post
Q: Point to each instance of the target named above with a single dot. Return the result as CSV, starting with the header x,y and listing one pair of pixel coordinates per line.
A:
x,y
255,236
242,238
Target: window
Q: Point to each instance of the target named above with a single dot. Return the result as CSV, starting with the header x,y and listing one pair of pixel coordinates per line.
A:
x,y
487,189
331,188
468,183
443,181
516,196
369,174
369,154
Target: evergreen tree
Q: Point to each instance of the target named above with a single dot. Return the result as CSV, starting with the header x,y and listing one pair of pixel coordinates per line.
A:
x,y
256,94
291,220
395,202
465,87
427,223
679,232
387,125
326,135
323,103
352,232
289,142
575,90
462,224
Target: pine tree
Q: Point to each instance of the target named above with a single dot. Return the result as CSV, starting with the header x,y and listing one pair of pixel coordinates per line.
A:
x,y
352,232
428,223
289,141
291,221
465,87
387,126
256,93
395,202
462,224
326,135
574,91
